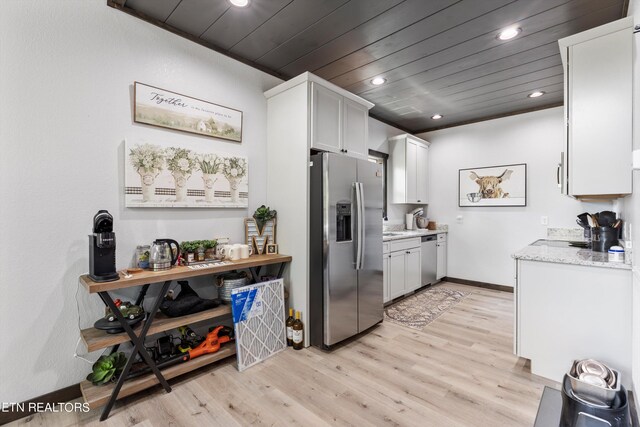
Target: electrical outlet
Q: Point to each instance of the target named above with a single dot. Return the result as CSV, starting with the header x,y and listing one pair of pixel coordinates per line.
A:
x,y
544,220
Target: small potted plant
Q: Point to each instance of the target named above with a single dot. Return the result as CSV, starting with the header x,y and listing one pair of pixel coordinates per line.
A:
x,y
209,248
262,215
188,249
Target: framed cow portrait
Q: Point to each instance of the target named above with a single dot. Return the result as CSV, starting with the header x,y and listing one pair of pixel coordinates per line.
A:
x,y
504,185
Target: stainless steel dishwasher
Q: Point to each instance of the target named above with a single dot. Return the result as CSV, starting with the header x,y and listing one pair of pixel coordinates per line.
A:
x,y
429,259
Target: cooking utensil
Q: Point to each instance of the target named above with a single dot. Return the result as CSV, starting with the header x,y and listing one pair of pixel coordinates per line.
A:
x,y
594,382
592,379
583,219
617,224
162,255
577,244
422,222
606,218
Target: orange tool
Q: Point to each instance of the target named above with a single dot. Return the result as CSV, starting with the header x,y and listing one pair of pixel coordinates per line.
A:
x,y
211,343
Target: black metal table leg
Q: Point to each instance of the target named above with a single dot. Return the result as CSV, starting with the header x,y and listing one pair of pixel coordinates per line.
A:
x,y
281,270
138,347
142,294
255,274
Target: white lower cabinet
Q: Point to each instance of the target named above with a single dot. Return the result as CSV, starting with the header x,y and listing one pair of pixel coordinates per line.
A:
x,y
401,266
397,275
441,265
385,276
412,269
565,312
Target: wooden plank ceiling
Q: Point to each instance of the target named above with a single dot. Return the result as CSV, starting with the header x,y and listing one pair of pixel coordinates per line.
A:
x,y
438,56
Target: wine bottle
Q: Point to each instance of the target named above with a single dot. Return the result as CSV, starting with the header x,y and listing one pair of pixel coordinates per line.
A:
x,y
298,333
289,324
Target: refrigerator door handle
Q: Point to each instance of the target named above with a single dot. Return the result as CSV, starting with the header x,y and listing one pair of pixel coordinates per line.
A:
x,y
360,226
354,224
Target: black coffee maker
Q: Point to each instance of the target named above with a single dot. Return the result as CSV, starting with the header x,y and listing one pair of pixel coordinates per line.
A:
x,y
102,249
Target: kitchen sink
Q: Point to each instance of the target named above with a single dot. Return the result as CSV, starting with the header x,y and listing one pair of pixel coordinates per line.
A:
x,y
392,234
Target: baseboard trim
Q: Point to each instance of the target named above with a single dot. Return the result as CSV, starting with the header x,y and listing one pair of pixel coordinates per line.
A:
x,y
57,396
478,284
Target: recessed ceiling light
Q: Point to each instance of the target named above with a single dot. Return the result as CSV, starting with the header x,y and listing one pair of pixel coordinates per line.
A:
x,y
436,116
378,81
536,94
509,33
239,3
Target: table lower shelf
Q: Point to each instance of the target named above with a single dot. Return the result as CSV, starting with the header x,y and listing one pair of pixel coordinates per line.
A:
x,y
97,396
95,339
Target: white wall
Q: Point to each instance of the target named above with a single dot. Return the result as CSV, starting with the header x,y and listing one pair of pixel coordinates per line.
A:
x,y
67,70
480,246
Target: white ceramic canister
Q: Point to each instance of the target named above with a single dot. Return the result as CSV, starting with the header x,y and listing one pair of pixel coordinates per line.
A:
x,y
616,254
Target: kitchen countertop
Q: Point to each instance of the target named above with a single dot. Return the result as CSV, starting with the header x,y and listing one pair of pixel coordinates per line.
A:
x,y
407,234
568,255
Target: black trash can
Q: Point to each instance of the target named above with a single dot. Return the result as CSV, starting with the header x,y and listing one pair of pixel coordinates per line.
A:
x,y
602,238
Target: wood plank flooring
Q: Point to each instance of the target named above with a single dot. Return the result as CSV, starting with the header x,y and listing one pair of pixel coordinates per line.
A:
x,y
458,371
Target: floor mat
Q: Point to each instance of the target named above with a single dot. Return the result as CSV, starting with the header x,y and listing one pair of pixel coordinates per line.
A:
x,y
418,310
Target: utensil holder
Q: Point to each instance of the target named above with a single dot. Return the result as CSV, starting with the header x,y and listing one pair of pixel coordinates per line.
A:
x,y
602,238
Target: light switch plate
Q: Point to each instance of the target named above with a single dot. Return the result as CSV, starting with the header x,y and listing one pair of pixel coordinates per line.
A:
x,y
544,220
636,159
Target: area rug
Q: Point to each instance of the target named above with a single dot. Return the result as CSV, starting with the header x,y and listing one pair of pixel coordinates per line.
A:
x,y
420,309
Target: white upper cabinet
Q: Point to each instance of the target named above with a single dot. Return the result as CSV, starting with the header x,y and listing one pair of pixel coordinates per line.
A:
x,y
598,70
408,174
355,129
339,123
326,119
411,171
422,185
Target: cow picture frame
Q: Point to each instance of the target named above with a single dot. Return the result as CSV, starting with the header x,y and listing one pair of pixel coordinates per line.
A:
x,y
272,249
493,186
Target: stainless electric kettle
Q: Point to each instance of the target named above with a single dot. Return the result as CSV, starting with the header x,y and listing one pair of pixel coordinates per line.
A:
x,y
162,256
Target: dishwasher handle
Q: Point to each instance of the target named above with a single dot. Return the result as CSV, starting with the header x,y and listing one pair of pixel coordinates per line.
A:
x,y
429,238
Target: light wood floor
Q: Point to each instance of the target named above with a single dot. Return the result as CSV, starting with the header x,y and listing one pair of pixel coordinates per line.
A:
x,y
458,371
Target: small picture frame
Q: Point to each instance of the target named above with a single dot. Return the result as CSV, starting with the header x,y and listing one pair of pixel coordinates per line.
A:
x,y
272,248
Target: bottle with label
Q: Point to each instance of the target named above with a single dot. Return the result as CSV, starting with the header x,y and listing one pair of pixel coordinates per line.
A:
x,y
298,333
289,324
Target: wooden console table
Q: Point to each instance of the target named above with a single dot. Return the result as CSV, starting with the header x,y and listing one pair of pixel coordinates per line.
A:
x,y
95,339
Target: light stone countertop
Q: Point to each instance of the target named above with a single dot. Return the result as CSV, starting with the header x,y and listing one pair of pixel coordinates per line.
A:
x,y
407,234
568,255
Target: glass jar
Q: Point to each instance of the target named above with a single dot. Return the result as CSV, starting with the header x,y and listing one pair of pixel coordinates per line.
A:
x,y
142,256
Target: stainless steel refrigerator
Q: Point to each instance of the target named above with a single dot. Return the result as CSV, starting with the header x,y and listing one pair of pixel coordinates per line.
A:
x,y
346,291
